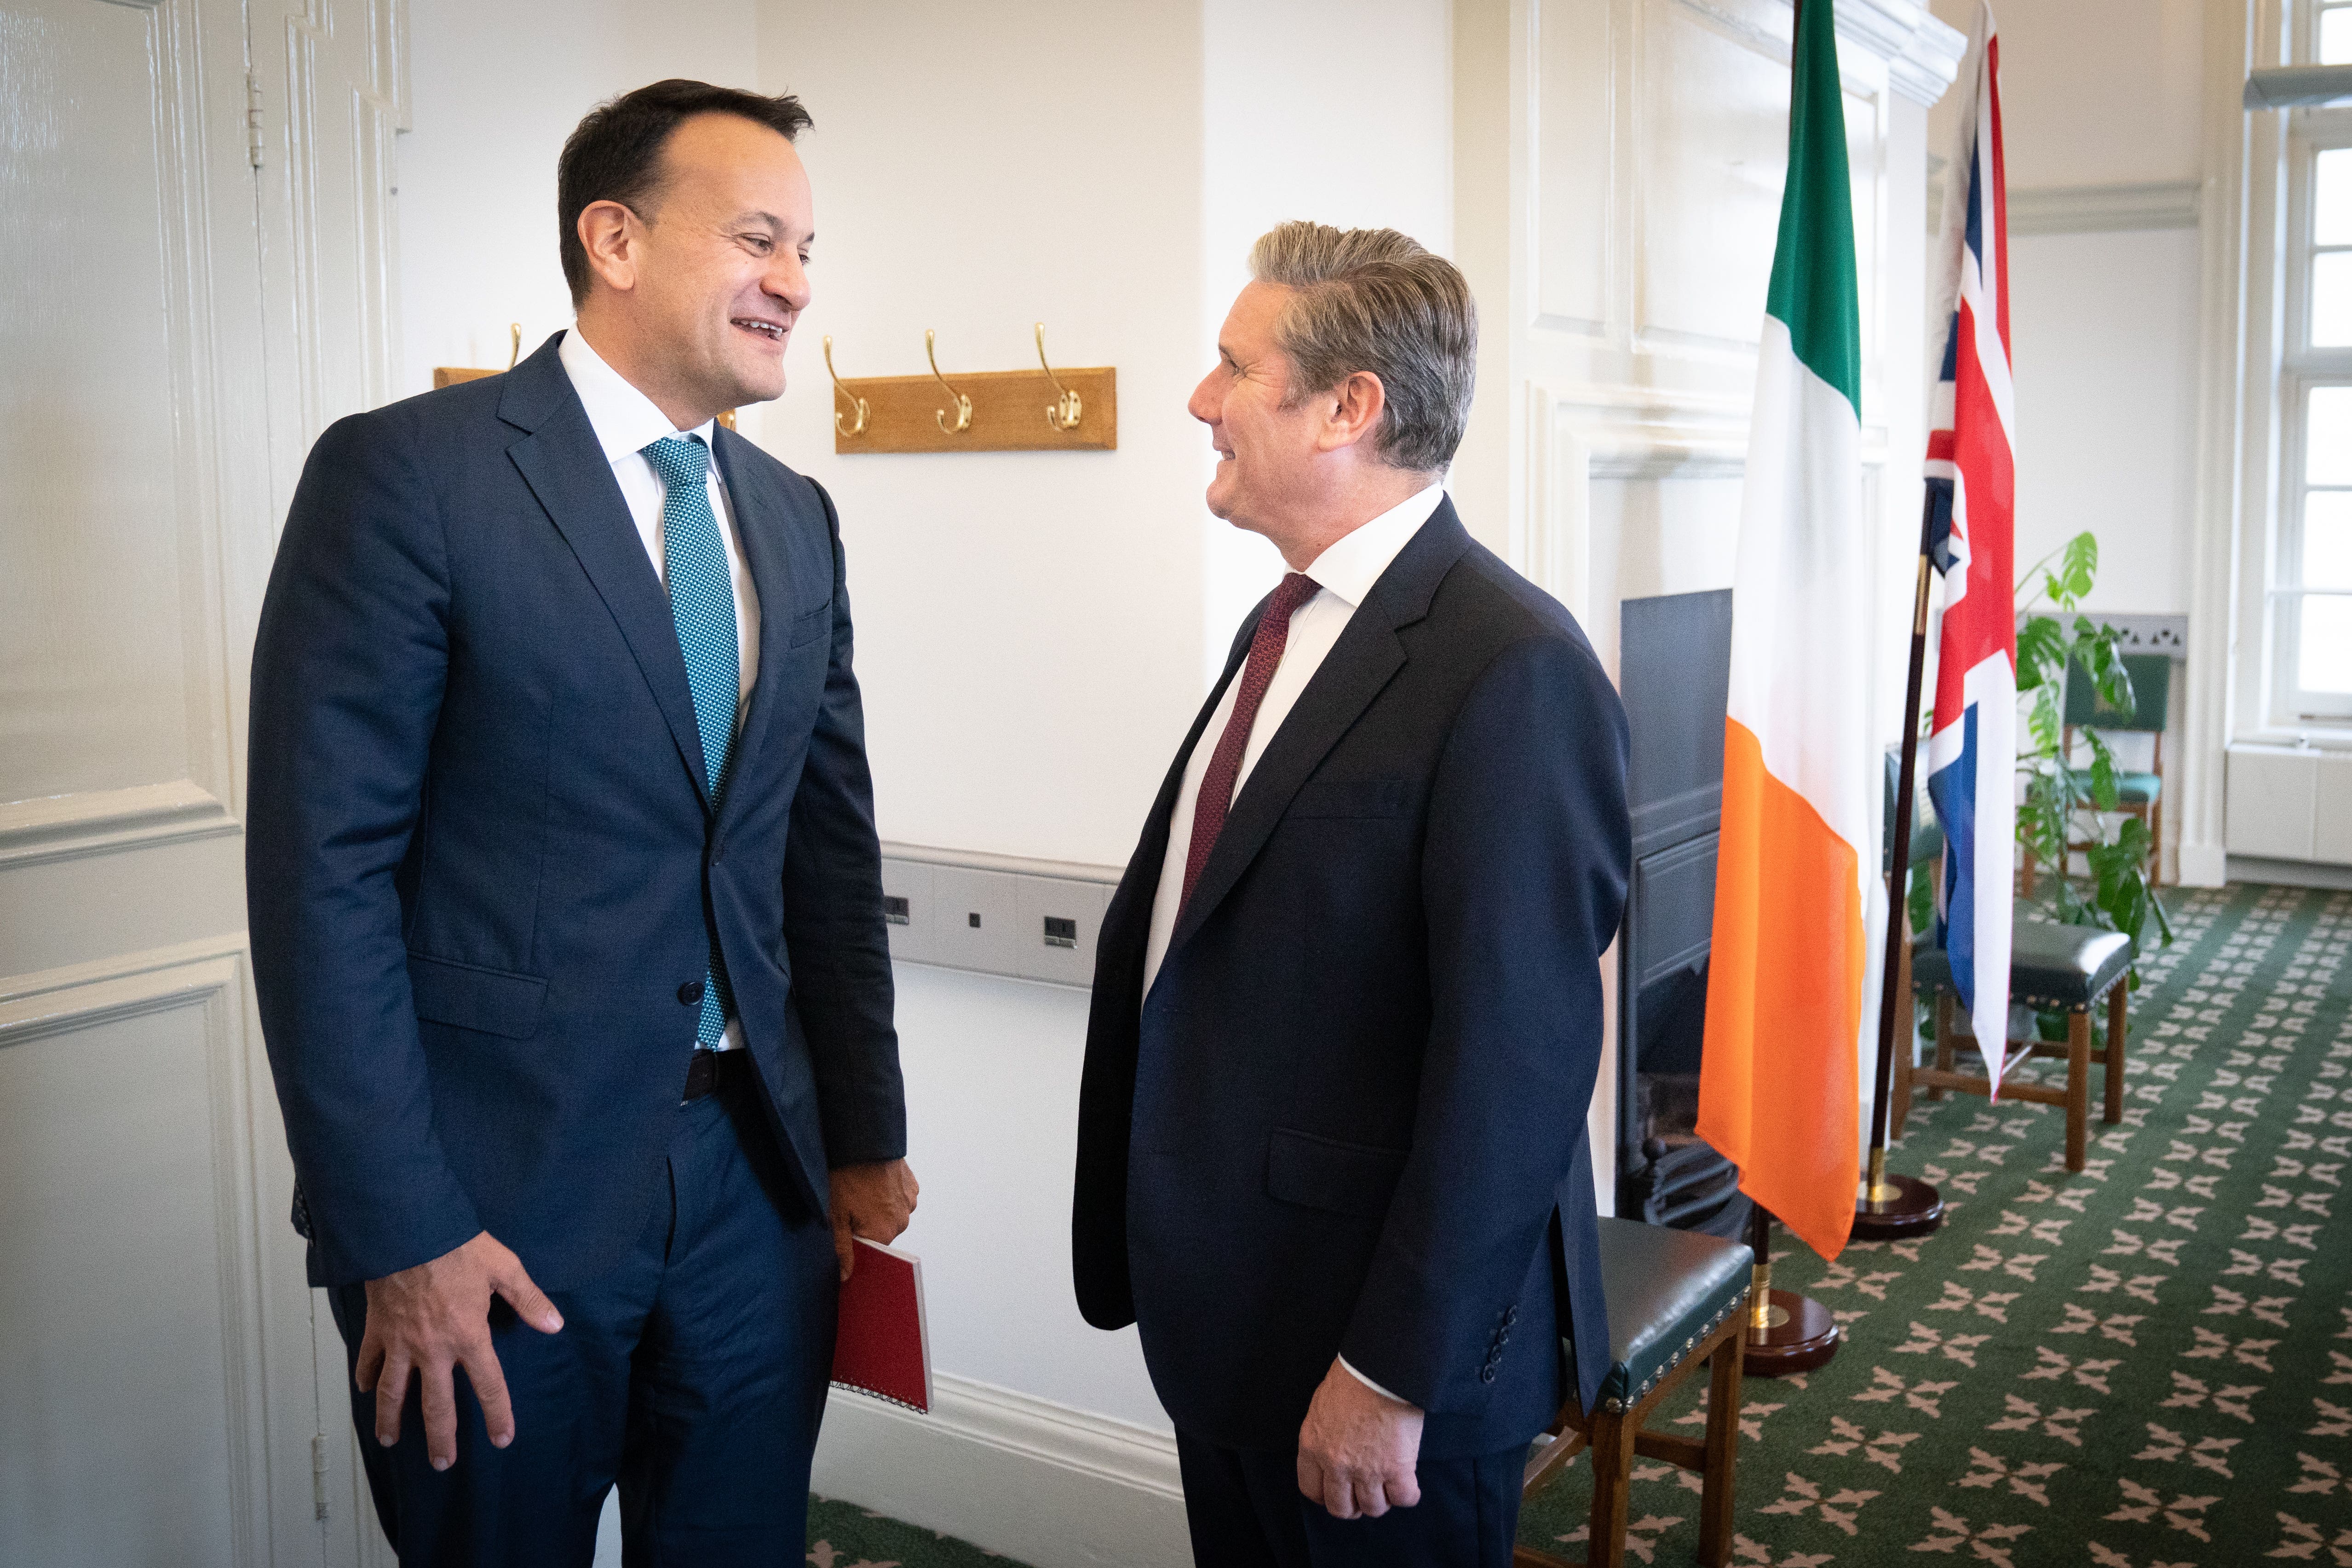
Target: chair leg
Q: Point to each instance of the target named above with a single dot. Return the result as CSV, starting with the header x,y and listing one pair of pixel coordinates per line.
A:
x,y
1613,1479
2118,1029
1716,1505
1945,1015
2078,1088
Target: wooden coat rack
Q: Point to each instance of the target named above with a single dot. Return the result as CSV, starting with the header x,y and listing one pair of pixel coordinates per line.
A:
x,y
1044,410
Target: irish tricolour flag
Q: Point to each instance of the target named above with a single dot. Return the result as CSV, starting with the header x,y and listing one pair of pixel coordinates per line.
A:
x,y
1778,1085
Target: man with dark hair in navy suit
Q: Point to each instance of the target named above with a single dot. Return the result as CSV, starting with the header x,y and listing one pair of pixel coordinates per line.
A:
x,y
566,896
1347,1006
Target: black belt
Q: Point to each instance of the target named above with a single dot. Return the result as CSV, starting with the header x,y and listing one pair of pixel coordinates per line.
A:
x,y
708,1071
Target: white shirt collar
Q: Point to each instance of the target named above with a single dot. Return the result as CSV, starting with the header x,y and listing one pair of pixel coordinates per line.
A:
x,y
1349,566
625,420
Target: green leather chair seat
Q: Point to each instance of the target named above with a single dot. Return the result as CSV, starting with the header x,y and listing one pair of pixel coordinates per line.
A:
x,y
1665,1290
2131,789
2063,967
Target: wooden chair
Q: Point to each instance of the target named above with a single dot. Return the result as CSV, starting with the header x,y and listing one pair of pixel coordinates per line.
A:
x,y
2069,969
1676,1300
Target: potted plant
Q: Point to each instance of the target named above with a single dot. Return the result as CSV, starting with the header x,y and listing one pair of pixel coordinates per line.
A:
x,y
2054,634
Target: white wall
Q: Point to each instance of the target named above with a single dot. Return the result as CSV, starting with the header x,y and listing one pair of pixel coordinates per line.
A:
x,y
2095,92
1337,110
2104,334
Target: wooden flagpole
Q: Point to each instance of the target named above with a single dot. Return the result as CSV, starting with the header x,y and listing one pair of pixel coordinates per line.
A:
x,y
1900,1205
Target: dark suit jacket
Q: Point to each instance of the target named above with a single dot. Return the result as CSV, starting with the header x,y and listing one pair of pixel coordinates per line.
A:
x,y
481,859
1350,1117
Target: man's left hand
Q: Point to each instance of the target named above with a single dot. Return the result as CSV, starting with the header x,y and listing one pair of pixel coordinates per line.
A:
x,y
874,1201
1357,1447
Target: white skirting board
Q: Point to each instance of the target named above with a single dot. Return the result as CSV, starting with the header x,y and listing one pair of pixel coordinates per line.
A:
x,y
1036,1481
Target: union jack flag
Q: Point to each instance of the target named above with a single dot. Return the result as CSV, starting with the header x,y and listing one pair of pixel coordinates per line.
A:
x,y
1971,485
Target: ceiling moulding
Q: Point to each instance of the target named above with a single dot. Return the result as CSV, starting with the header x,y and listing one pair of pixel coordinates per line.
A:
x,y
2101,209
1923,55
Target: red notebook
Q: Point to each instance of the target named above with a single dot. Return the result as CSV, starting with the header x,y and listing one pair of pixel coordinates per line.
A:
x,y
882,1346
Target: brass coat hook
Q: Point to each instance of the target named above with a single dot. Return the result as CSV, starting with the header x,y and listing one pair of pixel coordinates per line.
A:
x,y
962,404
514,343
1064,412
857,403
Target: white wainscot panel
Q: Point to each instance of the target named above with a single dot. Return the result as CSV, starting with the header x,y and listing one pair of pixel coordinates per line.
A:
x,y
92,611
130,1408
1713,130
1574,147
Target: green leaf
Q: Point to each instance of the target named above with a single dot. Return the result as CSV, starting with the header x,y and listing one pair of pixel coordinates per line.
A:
x,y
2102,776
1921,899
2041,652
2079,567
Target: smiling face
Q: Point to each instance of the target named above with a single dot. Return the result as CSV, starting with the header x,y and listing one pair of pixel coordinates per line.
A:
x,y
694,300
1266,453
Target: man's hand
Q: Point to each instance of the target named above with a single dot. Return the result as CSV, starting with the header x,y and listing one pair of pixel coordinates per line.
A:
x,y
1357,1448
435,1317
874,1201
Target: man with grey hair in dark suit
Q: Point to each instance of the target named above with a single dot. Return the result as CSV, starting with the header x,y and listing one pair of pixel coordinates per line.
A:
x,y
1347,1006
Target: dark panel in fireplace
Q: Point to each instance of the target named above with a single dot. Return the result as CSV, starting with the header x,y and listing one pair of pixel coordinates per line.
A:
x,y
1675,673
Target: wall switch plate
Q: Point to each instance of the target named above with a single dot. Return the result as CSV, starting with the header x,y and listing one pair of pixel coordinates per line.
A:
x,y
910,911
1057,922
979,919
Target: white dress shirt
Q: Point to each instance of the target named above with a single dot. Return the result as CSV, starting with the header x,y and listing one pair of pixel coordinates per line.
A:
x,y
1344,573
626,422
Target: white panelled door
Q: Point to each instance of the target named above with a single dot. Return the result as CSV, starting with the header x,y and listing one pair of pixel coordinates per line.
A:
x,y
169,1394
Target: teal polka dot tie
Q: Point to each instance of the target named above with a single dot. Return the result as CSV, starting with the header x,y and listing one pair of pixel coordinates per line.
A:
x,y
702,605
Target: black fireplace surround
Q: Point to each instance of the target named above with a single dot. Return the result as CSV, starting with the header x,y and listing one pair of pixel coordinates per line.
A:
x,y
1673,672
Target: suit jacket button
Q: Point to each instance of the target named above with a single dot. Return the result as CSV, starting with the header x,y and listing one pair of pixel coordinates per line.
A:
x,y
1486,1372
690,993
1510,1316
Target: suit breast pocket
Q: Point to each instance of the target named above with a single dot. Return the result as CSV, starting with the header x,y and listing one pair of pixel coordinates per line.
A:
x,y
811,626
1352,797
1338,1177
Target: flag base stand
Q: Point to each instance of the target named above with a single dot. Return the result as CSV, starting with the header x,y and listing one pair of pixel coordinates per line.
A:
x,y
1895,1208
1798,1336
1909,1208
1786,1332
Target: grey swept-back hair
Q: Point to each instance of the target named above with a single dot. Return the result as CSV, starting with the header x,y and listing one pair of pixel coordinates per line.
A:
x,y
1375,300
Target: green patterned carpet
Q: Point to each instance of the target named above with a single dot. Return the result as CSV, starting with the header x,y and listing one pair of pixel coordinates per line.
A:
x,y
2145,1366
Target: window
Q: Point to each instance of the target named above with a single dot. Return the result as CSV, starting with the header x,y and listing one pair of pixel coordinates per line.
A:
x,y
2311,574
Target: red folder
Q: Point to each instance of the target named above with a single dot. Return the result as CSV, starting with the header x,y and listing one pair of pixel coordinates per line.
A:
x,y
882,1346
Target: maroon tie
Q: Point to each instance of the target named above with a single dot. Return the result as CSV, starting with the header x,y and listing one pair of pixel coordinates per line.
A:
x,y
1225,762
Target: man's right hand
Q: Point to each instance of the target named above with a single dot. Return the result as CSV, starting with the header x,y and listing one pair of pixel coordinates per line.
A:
x,y
433,1318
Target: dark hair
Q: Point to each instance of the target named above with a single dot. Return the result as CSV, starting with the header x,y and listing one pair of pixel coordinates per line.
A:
x,y
615,153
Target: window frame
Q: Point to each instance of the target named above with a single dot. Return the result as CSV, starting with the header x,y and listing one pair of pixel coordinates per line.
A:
x,y
2302,369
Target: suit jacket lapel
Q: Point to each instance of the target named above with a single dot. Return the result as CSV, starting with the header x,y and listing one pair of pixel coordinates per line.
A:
x,y
761,509
1368,654
1127,924
560,459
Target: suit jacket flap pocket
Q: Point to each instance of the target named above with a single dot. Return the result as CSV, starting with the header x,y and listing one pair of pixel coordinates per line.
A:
x,y
813,625
494,1001
1325,1174
1352,797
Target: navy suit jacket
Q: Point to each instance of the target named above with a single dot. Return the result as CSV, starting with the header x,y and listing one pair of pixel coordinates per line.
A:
x,y
482,859
1349,1119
